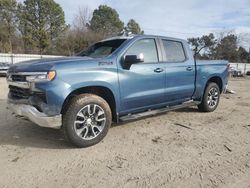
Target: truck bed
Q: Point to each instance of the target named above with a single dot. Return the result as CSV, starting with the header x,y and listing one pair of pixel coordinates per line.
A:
x,y
207,69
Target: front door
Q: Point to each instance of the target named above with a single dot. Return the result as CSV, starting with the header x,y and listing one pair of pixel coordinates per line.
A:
x,y
143,85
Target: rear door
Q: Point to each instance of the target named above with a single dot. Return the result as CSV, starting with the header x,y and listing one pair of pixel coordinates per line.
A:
x,y
143,85
180,71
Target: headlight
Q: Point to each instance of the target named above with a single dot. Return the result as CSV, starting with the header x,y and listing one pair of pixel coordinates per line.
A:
x,y
41,77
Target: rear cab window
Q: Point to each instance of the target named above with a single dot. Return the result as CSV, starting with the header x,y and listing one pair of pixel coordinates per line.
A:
x,y
174,51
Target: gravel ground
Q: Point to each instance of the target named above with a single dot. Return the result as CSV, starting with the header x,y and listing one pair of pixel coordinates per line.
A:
x,y
213,150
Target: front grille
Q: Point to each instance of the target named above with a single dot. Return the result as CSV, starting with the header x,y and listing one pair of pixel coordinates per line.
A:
x,y
19,93
18,78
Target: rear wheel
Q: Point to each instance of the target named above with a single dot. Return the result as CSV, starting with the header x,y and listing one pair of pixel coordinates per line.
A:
x,y
86,120
211,98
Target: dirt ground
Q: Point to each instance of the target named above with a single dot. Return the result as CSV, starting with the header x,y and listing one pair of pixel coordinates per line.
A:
x,y
213,150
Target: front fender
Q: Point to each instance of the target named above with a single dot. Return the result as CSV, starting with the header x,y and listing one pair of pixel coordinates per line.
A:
x,y
106,85
96,77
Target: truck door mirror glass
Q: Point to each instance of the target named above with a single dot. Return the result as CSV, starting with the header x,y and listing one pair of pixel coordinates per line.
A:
x,y
132,59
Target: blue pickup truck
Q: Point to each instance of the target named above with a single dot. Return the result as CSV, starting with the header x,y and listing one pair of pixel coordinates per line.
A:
x,y
117,79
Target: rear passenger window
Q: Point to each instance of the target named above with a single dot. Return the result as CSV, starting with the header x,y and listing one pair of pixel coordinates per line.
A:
x,y
174,51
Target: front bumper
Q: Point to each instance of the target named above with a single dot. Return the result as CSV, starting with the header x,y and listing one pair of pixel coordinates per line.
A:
x,y
31,113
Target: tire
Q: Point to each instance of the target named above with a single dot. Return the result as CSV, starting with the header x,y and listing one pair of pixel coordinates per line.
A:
x,y
86,120
211,98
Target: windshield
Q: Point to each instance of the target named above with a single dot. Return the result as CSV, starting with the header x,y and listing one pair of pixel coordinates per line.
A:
x,y
102,49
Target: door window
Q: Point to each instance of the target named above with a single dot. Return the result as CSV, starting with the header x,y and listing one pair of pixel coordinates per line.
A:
x,y
174,51
147,47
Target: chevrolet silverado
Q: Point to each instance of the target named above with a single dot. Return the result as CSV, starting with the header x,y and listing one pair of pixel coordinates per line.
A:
x,y
117,79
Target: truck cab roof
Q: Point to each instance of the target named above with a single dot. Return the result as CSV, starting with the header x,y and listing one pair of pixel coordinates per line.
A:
x,y
143,36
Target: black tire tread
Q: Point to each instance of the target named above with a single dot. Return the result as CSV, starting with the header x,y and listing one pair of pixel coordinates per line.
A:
x,y
77,102
203,106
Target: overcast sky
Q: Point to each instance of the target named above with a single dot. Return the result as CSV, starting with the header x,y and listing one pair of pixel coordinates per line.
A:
x,y
176,18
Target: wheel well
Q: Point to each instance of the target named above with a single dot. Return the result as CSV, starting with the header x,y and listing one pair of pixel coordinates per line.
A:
x,y
216,80
100,91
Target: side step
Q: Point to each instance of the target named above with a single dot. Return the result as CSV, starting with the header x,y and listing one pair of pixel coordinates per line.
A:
x,y
130,117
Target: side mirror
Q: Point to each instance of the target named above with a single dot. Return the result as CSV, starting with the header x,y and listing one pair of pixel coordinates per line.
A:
x,y
132,59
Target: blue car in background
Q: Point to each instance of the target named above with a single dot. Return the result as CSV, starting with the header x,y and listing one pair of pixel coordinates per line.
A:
x,y
117,79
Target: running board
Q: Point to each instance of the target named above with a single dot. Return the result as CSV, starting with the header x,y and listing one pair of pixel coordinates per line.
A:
x,y
130,117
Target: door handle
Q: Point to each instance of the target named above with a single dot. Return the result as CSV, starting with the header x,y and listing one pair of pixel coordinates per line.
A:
x,y
158,70
189,68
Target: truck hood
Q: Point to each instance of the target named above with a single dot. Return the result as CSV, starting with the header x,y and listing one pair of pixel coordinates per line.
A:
x,y
43,65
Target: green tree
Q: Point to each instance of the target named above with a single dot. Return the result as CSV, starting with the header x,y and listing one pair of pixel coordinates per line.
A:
x,y
227,48
106,21
243,55
78,36
7,24
134,27
40,22
206,43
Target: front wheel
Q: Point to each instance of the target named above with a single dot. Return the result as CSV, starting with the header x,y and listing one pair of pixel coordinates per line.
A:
x,y
211,98
86,120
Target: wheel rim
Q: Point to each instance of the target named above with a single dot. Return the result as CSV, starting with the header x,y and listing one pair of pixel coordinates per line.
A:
x,y
212,97
90,121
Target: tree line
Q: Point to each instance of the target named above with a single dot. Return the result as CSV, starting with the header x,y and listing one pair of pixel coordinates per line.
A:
x,y
38,26
225,46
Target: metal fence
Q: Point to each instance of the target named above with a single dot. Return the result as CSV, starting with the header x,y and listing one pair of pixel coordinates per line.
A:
x,y
16,58
244,67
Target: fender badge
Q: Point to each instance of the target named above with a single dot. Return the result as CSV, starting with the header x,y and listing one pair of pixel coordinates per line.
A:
x,y
105,63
